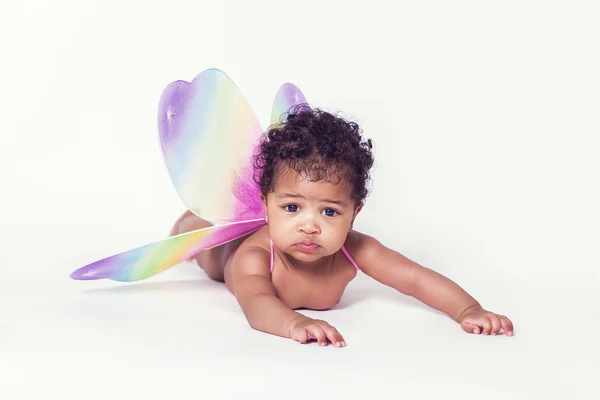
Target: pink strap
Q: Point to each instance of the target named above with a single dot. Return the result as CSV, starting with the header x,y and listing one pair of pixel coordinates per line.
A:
x,y
271,242
350,258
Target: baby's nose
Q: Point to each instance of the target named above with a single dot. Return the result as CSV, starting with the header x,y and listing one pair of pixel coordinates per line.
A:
x,y
309,225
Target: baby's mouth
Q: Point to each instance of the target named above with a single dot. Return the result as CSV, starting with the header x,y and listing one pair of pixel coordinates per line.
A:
x,y
307,246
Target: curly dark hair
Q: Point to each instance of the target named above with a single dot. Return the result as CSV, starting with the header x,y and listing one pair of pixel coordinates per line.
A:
x,y
319,146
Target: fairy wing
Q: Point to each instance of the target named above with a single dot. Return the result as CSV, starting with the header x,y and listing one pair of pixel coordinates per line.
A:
x,y
151,259
208,135
287,96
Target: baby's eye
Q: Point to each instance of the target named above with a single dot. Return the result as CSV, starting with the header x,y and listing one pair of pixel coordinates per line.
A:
x,y
330,212
291,208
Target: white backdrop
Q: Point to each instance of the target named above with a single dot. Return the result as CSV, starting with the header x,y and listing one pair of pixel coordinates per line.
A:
x,y
486,127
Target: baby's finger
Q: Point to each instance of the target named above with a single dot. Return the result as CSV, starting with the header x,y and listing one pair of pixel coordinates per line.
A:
x,y
334,336
486,324
496,324
317,333
470,328
299,335
507,325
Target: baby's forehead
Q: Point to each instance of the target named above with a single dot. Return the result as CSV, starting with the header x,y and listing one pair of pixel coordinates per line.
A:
x,y
292,183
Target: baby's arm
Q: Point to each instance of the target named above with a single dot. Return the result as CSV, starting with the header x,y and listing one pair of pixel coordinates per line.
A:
x,y
264,311
431,288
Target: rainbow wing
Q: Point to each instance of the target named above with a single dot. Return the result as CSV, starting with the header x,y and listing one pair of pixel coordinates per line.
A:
x,y
208,135
287,96
151,259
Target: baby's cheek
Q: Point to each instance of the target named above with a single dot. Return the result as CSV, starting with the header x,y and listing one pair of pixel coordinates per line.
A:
x,y
337,238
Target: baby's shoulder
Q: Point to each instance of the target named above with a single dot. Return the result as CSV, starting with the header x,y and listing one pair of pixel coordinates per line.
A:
x,y
249,262
362,247
258,239
253,251
359,241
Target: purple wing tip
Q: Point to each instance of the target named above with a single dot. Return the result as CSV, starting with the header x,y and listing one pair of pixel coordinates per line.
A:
x,y
91,272
82,275
293,93
174,102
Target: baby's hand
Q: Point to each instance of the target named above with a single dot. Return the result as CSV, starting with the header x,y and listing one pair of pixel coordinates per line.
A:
x,y
305,329
477,320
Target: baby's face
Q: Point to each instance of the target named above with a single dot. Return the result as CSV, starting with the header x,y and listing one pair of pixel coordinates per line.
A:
x,y
309,220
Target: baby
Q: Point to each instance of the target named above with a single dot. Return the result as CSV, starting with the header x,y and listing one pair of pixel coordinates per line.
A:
x,y
314,171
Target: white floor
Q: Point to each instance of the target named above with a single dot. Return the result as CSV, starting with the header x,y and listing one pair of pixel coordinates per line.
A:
x,y
180,335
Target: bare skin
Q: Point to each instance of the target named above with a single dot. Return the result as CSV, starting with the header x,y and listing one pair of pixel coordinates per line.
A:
x,y
308,223
296,289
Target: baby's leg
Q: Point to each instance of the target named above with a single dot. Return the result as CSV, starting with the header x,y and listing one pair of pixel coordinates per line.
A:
x,y
211,260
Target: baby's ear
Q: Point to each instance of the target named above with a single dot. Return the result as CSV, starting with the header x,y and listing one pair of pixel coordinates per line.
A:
x,y
356,211
263,200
